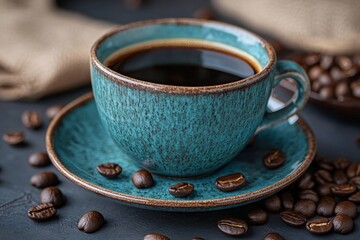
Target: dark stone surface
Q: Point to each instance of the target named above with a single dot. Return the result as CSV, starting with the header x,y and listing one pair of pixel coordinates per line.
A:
x,y
336,136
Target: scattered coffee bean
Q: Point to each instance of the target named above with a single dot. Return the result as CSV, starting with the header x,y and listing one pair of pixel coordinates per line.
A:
x,y
326,92
293,218
341,163
324,79
204,13
343,224
319,225
287,200
340,177
14,138
347,208
315,72
182,189
323,176
353,170
52,111
142,179
325,189
274,159
306,182
232,226
273,204
257,216
355,87
326,206
52,195
155,236
312,59
198,238
231,182
321,163
341,90
44,179
344,62
355,181
355,197
31,119
343,190
326,61
42,212
109,170
309,195
91,222
39,159
273,236
305,207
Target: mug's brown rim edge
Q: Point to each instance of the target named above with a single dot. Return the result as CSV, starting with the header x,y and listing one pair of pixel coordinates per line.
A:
x,y
144,85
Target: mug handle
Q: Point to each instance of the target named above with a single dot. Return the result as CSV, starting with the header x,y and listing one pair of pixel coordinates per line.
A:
x,y
288,69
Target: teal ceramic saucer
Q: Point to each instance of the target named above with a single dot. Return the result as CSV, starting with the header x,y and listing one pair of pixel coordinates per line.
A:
x,y
77,143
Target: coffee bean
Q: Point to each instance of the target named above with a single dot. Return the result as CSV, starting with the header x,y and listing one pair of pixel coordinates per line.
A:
x,y
273,236
42,212
39,159
326,206
155,236
309,195
91,222
319,225
315,72
287,200
341,163
14,138
342,89
305,207
326,92
355,197
316,86
344,62
52,195
355,87
323,164
340,177
347,208
204,13
343,224
312,59
353,170
337,74
198,238
230,182
109,170
31,119
257,216
326,61
273,204
293,218
52,111
306,182
44,179
182,189
274,159
343,190
323,176
142,179
355,181
324,79
232,226
325,189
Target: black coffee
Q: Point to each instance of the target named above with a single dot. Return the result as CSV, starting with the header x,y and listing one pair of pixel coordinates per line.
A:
x,y
182,66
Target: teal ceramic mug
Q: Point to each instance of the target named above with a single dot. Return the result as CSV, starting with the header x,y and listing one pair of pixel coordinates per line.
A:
x,y
182,131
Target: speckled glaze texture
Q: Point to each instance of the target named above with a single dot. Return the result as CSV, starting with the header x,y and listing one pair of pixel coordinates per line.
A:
x,y
183,131
77,142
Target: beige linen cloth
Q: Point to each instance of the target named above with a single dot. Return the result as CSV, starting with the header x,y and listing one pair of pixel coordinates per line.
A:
x,y
43,50
331,26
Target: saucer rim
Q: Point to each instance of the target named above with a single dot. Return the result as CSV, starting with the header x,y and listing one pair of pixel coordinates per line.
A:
x,y
178,204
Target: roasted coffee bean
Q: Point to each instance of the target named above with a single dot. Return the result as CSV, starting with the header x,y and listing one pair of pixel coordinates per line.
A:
x,y
355,197
91,222
355,181
312,59
39,159
109,170
325,189
327,92
340,177
274,159
31,119
273,236
182,189
353,170
316,86
142,179
52,111
198,238
230,182
232,226
293,218
341,163
287,200
344,62
309,195
155,236
44,179
319,225
343,190
323,164
273,204
14,138
315,72
323,176
326,61
343,224
257,216
326,206
355,88
337,74
42,212
324,79
347,208
204,13
305,207
306,182
52,195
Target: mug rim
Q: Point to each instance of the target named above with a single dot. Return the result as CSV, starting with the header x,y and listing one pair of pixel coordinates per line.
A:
x,y
165,88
